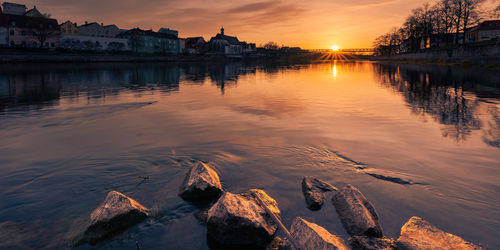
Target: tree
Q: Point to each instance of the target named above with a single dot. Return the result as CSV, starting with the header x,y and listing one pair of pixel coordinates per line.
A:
x,y
271,46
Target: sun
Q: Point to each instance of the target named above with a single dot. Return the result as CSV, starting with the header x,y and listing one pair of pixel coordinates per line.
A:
x,y
335,47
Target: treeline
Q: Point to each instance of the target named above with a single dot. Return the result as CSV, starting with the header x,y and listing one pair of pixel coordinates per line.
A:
x,y
448,18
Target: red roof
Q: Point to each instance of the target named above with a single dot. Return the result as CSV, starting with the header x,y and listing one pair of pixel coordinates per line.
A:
x,y
30,22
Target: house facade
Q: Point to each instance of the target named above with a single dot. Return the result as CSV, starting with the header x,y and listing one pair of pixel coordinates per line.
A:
x,y
4,31
148,41
194,45
98,30
484,31
93,43
68,28
31,31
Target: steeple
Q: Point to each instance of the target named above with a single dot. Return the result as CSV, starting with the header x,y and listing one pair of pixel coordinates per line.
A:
x,y
222,30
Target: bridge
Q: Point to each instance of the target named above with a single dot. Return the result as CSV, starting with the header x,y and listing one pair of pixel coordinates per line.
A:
x,y
349,50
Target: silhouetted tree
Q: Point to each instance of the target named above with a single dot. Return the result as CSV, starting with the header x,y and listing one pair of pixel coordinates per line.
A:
x,y
271,46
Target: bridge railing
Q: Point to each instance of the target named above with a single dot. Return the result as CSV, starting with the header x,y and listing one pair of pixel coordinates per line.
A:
x,y
349,50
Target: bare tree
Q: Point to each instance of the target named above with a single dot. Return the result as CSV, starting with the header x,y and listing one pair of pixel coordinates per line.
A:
x,y
271,46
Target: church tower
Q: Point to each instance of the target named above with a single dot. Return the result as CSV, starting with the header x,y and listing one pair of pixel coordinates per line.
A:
x,y
222,30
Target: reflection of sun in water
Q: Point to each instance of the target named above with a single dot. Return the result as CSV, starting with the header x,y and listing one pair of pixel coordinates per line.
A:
x,y
335,47
334,69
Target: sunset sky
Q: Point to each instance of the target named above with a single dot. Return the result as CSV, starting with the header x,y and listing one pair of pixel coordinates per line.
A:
x,y
308,24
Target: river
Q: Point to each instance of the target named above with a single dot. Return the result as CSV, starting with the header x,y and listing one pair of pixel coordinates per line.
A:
x,y
416,140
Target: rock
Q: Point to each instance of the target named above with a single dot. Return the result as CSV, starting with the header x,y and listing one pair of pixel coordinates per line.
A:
x,y
358,242
313,190
420,234
201,184
356,213
239,220
307,235
117,212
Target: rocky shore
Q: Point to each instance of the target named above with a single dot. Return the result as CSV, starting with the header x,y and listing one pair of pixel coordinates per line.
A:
x,y
251,220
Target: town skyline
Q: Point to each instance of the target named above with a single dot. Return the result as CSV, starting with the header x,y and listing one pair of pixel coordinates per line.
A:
x,y
317,24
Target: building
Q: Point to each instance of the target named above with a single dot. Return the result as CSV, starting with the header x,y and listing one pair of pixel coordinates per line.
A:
x,y
98,30
169,31
148,41
229,45
68,28
4,33
484,31
195,45
92,37
30,29
13,9
33,12
224,44
93,43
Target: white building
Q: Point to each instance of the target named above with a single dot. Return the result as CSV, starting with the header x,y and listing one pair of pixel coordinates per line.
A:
x,y
79,42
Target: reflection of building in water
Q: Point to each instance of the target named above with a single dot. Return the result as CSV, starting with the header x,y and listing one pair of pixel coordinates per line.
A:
x,y
166,78
29,89
226,75
27,86
451,99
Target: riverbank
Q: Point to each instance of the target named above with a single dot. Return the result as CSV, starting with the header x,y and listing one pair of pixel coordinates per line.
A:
x,y
46,56
480,56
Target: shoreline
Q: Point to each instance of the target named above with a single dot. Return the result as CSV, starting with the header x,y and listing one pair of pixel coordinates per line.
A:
x,y
8,56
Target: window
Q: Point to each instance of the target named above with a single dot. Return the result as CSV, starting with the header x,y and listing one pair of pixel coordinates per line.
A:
x,y
52,45
11,32
23,33
41,25
12,43
13,23
50,26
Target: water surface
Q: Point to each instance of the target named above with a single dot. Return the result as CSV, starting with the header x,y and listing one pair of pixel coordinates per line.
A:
x,y
416,140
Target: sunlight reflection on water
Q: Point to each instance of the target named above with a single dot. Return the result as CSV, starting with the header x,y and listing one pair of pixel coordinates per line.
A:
x,y
416,140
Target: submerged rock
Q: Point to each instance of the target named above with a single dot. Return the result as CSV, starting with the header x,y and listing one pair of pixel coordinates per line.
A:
x,y
313,190
356,213
359,242
417,233
240,220
117,212
307,235
201,184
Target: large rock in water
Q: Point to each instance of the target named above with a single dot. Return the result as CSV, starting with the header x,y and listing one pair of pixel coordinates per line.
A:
x,y
356,213
313,190
307,235
420,234
359,242
117,212
240,220
201,184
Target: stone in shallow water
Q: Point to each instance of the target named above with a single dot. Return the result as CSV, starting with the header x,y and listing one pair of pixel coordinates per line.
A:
x,y
117,212
308,235
201,184
356,213
359,242
420,234
313,190
240,220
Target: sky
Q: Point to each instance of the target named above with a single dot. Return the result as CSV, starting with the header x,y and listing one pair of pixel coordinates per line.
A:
x,y
310,24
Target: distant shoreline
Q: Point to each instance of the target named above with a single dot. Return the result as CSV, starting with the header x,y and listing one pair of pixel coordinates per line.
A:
x,y
55,56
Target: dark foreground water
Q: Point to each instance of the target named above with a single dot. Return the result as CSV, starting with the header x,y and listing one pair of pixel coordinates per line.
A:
x,y
427,138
